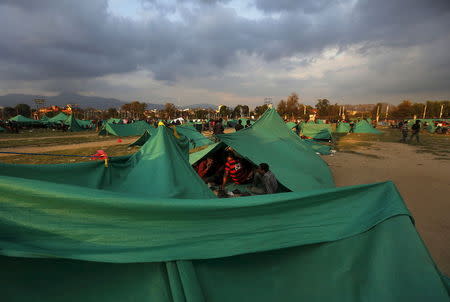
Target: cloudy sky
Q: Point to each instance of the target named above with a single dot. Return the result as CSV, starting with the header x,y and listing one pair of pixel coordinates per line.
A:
x,y
227,51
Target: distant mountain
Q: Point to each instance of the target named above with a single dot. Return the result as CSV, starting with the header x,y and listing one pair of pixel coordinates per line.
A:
x,y
62,99
83,101
203,106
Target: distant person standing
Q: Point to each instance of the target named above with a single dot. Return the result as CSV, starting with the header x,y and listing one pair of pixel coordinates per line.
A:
x,y
239,126
415,131
352,127
218,127
404,130
247,124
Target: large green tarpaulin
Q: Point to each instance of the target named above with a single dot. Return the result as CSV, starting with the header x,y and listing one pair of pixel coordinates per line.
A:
x,y
24,120
316,131
132,129
65,243
294,162
59,118
343,127
364,127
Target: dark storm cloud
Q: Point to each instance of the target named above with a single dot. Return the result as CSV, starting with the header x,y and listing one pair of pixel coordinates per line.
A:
x,y
82,39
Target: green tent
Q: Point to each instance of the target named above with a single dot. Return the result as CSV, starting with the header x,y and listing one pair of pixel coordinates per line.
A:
x,y
23,120
59,118
64,242
291,125
114,120
343,127
196,139
141,140
316,131
132,129
317,147
44,118
294,162
364,127
74,125
431,128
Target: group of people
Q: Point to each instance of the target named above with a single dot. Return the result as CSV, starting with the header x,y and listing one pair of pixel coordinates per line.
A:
x,y
239,125
415,128
218,172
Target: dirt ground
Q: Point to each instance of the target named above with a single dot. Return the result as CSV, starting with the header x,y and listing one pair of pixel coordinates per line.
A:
x,y
423,181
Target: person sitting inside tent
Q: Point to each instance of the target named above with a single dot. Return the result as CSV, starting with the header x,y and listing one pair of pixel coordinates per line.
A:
x,y
239,125
210,170
236,170
264,181
247,124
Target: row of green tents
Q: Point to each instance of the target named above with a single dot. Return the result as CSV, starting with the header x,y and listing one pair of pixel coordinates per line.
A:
x,y
147,228
322,131
73,124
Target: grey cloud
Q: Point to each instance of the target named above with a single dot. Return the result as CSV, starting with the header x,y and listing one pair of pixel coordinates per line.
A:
x,y
75,40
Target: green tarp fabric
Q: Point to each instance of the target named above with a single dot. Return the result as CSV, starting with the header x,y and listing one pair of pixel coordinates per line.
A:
x,y
44,118
319,148
196,139
294,162
2,129
114,120
133,129
431,128
196,156
343,127
291,125
24,120
63,243
59,118
364,127
74,125
141,140
316,131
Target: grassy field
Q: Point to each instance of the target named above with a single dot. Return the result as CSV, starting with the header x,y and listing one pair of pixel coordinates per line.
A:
x,y
43,133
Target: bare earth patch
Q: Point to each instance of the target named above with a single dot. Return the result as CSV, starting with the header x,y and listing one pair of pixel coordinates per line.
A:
x,y
423,181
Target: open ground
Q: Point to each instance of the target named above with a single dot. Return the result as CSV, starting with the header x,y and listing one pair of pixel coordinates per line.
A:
x,y
420,171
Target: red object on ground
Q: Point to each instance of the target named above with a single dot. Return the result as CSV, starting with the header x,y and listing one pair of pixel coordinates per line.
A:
x,y
100,155
119,140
